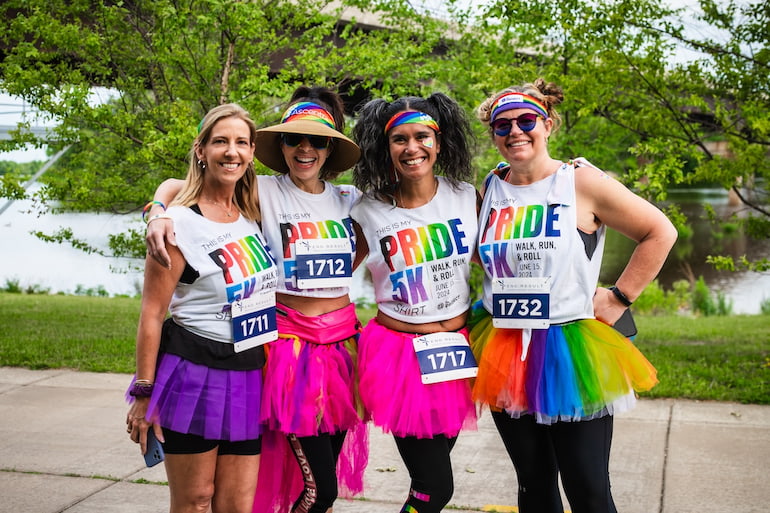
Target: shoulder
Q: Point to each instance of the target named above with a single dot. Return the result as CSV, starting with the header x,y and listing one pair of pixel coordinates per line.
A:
x,y
591,180
268,180
499,172
347,192
457,188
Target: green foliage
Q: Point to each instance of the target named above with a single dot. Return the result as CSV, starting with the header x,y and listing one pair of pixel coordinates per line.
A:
x,y
704,302
659,122
12,285
161,65
476,282
656,301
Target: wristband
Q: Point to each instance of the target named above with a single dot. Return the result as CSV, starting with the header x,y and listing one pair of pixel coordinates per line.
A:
x,y
149,205
141,389
158,216
621,297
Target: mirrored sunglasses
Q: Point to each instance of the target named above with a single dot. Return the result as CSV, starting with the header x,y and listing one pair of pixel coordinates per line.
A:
x,y
319,142
526,122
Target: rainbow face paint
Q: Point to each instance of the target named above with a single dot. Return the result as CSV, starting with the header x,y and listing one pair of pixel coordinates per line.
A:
x,y
308,111
411,116
428,142
510,101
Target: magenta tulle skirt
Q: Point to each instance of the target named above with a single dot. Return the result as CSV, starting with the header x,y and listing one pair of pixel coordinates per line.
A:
x,y
570,372
396,398
213,403
280,480
310,384
310,388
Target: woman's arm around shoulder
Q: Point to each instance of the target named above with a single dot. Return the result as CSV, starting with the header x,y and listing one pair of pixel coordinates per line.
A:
x,y
160,230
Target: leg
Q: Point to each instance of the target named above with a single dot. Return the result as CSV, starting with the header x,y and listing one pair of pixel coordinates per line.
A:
x,y
191,481
235,483
530,448
430,468
583,450
317,457
190,465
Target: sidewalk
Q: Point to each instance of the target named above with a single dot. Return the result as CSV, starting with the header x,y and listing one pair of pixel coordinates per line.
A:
x,y
64,448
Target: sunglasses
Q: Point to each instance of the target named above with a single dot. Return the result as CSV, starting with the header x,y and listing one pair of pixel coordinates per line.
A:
x,y
526,122
319,142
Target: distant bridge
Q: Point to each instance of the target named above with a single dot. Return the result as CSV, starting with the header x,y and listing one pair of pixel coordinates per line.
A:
x,y
38,131
41,132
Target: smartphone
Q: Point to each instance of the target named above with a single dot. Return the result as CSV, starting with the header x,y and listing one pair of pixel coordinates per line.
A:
x,y
626,325
154,454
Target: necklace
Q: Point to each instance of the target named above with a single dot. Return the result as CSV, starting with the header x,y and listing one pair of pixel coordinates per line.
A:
x,y
228,212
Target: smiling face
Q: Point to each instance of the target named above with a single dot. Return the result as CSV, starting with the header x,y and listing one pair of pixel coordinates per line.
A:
x,y
304,160
228,151
414,149
519,145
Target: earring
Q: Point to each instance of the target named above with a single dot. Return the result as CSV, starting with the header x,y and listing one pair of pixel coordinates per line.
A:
x,y
201,164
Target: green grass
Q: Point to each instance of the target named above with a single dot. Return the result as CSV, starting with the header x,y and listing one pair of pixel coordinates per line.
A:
x,y
709,358
79,332
705,358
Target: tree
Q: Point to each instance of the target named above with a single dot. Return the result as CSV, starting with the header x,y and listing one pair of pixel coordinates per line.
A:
x,y
655,117
162,64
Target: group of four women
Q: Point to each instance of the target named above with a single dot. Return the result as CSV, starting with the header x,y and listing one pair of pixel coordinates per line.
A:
x,y
256,272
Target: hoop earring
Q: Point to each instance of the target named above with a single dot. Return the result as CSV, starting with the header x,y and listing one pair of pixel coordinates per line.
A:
x,y
201,164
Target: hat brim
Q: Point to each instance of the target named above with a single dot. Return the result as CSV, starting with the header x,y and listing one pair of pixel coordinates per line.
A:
x,y
267,145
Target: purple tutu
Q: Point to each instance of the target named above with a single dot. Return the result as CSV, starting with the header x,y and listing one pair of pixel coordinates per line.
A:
x,y
213,403
396,398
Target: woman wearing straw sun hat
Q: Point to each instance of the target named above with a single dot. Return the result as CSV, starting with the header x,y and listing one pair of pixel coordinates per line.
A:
x,y
309,390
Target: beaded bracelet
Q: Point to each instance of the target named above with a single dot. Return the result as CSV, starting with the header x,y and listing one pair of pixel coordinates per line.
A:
x,y
621,297
141,388
149,205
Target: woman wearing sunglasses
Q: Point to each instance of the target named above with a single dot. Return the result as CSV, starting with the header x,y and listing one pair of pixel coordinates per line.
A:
x,y
309,390
415,360
551,368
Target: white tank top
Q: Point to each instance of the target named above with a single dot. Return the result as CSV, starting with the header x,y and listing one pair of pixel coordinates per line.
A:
x,y
420,257
232,261
531,231
290,214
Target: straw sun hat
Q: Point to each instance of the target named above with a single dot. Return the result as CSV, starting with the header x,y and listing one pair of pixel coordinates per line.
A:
x,y
309,119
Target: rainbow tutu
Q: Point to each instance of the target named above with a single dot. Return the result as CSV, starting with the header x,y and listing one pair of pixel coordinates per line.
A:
x,y
393,393
575,371
216,404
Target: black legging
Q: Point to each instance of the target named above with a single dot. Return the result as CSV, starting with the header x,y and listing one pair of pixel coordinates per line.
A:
x,y
430,467
317,457
580,451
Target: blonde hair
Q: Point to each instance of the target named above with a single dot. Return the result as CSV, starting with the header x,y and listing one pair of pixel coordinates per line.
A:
x,y
193,183
549,94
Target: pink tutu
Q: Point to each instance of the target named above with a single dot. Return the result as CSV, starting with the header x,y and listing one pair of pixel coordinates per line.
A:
x,y
310,388
310,373
393,393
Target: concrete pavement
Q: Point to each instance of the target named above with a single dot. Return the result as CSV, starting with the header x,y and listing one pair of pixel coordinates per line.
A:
x,y
64,448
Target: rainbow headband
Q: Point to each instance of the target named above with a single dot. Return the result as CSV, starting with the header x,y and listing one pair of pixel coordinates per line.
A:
x,y
510,101
308,111
411,116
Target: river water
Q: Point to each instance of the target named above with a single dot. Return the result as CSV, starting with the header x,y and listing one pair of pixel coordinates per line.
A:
x,y
60,268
